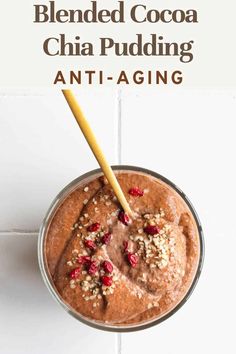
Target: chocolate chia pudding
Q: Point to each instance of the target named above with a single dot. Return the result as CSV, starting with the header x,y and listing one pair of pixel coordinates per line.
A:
x,y
114,270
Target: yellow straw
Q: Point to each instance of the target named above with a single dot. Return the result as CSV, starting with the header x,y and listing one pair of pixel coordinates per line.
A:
x,y
91,139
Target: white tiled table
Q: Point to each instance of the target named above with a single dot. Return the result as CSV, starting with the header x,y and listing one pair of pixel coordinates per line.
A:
x,y
187,136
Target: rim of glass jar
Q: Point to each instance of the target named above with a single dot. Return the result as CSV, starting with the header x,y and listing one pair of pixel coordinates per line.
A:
x,y
47,277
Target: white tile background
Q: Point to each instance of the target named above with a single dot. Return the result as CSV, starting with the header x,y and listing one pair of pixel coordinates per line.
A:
x,y
188,136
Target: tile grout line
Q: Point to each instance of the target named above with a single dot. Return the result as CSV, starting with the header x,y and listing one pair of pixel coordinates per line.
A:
x,y
119,127
119,343
4,95
19,232
119,158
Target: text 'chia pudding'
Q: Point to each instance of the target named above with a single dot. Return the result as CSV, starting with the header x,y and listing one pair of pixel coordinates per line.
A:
x,y
117,270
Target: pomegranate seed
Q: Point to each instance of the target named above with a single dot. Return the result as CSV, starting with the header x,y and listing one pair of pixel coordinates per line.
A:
x,y
133,259
83,260
75,273
90,244
93,268
123,217
107,266
136,192
126,245
152,230
107,281
94,227
106,238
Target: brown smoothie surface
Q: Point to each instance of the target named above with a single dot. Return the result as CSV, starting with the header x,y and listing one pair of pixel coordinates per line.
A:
x,y
119,271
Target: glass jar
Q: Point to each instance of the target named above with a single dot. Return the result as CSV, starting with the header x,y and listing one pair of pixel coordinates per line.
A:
x,y
83,180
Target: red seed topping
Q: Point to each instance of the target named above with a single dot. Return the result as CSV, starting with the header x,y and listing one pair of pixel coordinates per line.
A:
x,y
107,266
74,273
125,245
152,230
94,227
90,244
93,268
83,260
123,217
133,259
136,192
106,238
107,281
